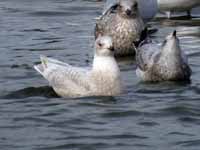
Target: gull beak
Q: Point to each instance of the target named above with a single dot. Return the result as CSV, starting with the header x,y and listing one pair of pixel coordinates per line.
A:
x,y
174,33
128,12
112,49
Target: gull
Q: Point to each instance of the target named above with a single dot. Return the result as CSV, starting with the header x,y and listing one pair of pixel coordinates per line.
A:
x,y
102,79
169,6
147,8
124,24
162,63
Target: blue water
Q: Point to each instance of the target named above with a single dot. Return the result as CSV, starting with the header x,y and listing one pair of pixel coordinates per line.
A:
x,y
164,116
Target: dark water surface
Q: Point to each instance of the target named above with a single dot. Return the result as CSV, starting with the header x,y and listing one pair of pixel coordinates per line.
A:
x,y
163,116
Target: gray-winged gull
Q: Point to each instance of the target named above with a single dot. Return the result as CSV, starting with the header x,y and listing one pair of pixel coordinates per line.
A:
x,y
124,24
103,79
162,63
169,6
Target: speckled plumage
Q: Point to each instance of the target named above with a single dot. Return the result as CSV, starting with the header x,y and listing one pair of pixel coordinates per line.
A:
x,y
103,79
147,8
162,63
124,30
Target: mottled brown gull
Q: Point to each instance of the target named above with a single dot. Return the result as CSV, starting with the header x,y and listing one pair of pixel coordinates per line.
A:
x,y
124,24
147,8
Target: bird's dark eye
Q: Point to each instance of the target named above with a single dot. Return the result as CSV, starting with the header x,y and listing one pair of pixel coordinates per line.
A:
x,y
100,45
119,7
135,5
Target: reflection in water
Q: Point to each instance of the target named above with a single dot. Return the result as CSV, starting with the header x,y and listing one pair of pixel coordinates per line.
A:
x,y
44,91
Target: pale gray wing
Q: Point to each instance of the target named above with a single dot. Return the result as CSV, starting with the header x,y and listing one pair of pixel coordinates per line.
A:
x,y
62,64
61,74
146,55
62,77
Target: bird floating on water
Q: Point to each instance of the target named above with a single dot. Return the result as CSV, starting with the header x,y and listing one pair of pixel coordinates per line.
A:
x,y
103,79
162,63
147,8
169,6
124,24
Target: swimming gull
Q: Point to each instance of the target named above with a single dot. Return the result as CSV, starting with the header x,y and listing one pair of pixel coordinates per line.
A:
x,y
162,63
124,24
147,8
169,6
103,79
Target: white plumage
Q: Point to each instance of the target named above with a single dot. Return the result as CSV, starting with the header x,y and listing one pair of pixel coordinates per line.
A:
x,y
68,81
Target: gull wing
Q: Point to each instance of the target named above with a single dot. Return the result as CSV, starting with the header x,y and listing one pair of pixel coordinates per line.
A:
x,y
108,4
62,75
104,19
147,55
110,7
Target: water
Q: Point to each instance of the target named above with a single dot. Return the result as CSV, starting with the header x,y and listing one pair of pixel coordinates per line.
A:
x,y
145,117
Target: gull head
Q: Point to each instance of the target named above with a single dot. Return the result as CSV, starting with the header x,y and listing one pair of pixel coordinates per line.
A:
x,y
171,42
128,8
104,46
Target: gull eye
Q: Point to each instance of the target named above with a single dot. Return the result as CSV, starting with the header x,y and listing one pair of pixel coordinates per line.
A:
x,y
100,45
135,5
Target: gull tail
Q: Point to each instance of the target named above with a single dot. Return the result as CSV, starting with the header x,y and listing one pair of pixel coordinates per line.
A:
x,y
44,65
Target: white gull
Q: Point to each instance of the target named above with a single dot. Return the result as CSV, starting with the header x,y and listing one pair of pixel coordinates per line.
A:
x,y
103,79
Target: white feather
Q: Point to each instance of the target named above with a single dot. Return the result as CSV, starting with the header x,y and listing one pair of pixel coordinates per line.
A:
x,y
68,81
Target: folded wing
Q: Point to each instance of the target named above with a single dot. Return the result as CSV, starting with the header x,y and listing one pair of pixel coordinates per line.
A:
x,y
146,55
63,76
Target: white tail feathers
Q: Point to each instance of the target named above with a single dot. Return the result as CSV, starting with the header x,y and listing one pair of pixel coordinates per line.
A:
x,y
44,61
41,67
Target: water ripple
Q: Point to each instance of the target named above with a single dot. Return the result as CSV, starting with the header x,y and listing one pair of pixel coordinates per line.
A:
x,y
33,117
32,91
